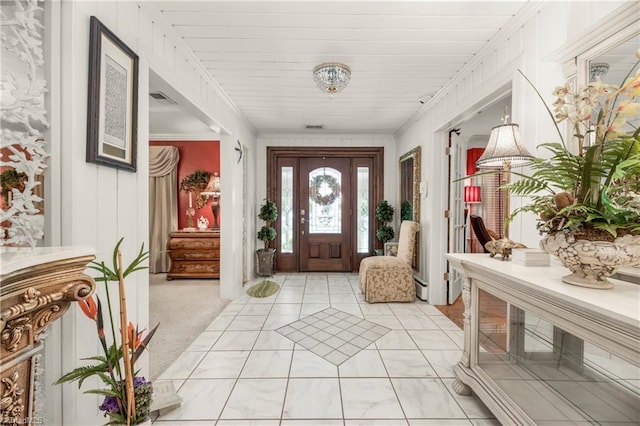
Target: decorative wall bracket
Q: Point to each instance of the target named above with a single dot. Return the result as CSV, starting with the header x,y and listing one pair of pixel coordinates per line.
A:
x,y
38,286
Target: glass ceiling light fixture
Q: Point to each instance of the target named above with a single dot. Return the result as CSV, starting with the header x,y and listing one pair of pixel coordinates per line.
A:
x,y
331,77
505,150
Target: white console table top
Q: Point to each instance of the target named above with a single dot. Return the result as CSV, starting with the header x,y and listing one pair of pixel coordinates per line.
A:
x,y
16,258
621,303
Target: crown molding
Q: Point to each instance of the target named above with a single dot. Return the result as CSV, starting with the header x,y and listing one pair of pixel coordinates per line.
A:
x,y
184,137
616,27
527,12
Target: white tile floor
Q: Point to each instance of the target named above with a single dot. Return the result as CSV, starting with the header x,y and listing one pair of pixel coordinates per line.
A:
x,y
240,371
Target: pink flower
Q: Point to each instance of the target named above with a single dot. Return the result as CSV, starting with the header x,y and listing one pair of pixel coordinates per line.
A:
x,y
628,108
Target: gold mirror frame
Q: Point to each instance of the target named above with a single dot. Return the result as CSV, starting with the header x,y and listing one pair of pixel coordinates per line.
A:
x,y
410,180
410,172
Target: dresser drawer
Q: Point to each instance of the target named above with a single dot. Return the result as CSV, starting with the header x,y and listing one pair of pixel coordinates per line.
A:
x,y
194,269
190,254
194,243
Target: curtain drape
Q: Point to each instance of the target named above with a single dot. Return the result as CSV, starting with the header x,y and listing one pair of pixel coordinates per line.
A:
x,y
163,204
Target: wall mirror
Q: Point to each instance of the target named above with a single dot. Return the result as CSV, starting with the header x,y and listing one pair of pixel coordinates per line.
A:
x,y
612,60
410,191
410,185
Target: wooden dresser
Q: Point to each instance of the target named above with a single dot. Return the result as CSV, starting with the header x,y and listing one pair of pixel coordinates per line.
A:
x,y
194,254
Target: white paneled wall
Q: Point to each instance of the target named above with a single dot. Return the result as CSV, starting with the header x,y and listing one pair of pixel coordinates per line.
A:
x,y
526,44
97,204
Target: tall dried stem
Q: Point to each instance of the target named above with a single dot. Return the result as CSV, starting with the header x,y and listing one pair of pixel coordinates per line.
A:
x,y
131,402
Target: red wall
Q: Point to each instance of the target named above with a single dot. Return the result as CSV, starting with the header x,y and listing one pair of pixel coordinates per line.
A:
x,y
194,155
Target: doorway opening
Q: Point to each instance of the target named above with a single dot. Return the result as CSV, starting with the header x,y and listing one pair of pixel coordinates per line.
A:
x,y
326,198
465,142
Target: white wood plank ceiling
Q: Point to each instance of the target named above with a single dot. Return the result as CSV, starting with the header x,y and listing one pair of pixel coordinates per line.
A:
x,y
263,53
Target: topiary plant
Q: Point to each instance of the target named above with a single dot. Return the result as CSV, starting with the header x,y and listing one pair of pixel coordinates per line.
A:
x,y
385,233
268,213
406,210
384,214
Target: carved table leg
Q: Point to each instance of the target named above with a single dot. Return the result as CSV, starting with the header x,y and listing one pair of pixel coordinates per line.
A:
x,y
460,388
465,362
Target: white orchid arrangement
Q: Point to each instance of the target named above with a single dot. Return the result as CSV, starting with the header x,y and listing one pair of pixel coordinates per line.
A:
x,y
597,189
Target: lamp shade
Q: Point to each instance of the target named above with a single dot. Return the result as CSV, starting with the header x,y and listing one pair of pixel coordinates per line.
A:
x,y
504,147
472,194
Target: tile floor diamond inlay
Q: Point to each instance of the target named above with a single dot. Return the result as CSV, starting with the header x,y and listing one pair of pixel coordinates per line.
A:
x,y
333,335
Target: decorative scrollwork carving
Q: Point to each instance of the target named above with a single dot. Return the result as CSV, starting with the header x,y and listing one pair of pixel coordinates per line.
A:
x,y
30,295
23,106
11,403
13,332
465,360
46,316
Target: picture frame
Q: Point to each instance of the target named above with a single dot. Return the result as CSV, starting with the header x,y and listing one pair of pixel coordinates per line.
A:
x,y
112,109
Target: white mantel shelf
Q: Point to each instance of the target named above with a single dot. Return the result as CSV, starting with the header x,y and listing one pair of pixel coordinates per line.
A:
x,y
622,303
13,259
569,320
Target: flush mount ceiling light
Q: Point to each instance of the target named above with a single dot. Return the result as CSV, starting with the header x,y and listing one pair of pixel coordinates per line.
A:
x,y
331,77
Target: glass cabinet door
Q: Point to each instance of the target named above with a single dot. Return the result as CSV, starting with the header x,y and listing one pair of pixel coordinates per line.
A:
x,y
554,376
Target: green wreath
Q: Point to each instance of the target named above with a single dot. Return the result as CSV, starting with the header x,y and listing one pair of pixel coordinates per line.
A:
x,y
326,199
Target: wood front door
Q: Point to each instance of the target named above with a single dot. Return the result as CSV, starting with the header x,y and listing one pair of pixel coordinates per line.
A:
x,y
325,214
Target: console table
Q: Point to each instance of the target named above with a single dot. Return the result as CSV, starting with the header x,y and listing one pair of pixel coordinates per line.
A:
x,y
539,351
194,254
38,285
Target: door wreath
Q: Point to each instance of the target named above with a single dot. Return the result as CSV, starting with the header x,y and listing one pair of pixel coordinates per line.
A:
x,y
324,189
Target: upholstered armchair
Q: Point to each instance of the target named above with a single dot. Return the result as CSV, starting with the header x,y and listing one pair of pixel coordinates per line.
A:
x,y
390,278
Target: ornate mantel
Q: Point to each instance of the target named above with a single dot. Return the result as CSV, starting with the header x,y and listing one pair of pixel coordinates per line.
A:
x,y
38,284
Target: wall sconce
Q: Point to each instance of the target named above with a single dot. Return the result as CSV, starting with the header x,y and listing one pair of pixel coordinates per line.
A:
x,y
213,191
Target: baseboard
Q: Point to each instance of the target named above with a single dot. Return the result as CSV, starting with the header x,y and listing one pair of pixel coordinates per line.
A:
x,y
422,288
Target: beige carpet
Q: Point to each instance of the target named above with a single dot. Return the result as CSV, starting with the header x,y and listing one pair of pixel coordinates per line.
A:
x,y
184,309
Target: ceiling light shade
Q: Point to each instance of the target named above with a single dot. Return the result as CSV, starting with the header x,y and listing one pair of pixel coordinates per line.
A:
x,y
331,77
504,146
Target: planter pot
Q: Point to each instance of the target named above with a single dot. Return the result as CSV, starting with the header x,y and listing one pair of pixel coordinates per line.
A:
x,y
264,262
592,261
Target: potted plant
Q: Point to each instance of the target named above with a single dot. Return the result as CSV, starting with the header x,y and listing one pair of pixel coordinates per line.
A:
x,y
196,182
588,201
10,179
406,210
266,234
384,215
127,395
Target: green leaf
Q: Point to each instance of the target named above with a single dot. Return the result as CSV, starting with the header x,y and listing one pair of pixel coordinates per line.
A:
x,y
105,392
610,228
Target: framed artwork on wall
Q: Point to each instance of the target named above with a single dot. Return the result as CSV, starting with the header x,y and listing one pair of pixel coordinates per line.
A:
x,y
112,110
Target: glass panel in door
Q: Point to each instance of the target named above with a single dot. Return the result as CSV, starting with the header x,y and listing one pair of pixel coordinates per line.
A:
x,y
325,231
